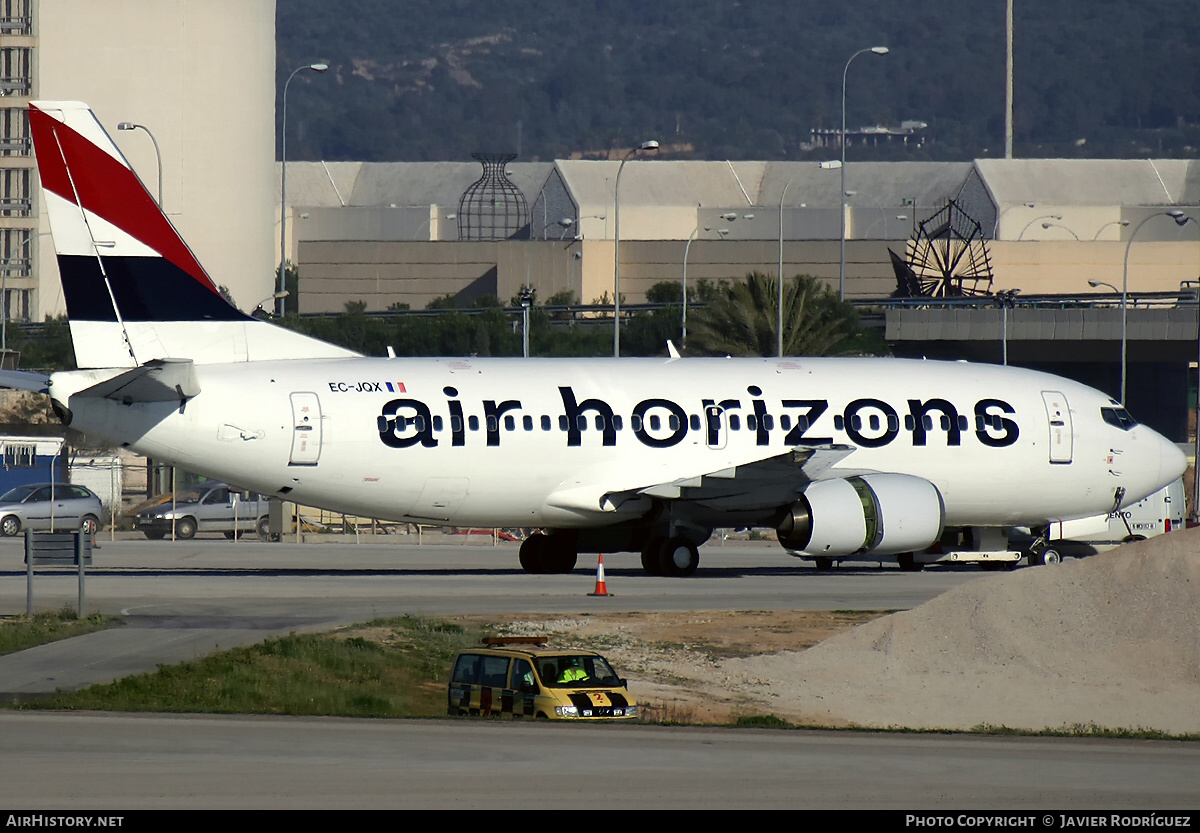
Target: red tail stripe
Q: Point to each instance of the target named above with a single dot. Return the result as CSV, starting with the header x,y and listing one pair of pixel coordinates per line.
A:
x,y
108,189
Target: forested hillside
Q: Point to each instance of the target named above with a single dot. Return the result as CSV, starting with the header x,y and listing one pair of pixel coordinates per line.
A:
x,y
426,80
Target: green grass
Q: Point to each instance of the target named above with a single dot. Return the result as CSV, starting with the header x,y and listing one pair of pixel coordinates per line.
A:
x,y
21,632
385,668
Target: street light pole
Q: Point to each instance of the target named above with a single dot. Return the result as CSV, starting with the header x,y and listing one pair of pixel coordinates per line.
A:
x,y
282,288
650,145
128,125
878,50
1180,219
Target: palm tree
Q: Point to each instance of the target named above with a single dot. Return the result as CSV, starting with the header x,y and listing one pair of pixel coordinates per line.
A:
x,y
742,320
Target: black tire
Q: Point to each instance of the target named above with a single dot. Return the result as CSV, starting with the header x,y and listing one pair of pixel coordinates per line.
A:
x,y
154,534
650,560
908,563
678,557
10,525
264,528
185,528
530,554
90,525
824,564
1129,539
230,535
559,554
1051,556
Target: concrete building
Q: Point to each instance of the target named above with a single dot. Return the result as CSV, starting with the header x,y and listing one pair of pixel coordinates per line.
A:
x,y
197,75
1049,226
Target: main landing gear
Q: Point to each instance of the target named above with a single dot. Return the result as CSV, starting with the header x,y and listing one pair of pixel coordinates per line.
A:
x,y
542,554
557,552
670,557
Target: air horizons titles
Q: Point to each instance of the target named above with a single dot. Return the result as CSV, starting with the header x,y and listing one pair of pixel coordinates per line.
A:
x,y
658,422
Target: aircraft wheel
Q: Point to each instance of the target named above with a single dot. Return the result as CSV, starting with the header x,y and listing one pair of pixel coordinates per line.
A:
x,y
650,560
678,557
531,551
908,563
558,554
1051,556
185,528
824,564
10,526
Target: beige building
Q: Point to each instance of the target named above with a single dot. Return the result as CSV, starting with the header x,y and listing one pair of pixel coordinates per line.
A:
x,y
199,76
387,234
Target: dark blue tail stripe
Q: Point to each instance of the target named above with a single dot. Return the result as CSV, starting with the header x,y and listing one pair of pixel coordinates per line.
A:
x,y
146,289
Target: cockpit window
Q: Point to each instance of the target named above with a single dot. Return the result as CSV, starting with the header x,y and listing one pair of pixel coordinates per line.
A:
x,y
1118,417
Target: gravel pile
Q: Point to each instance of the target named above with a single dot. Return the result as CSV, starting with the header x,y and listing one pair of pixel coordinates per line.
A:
x,y
1111,641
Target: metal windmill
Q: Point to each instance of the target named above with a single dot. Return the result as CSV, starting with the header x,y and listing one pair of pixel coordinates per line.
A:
x,y
947,256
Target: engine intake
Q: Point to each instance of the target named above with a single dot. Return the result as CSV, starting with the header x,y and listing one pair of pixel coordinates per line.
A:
x,y
872,513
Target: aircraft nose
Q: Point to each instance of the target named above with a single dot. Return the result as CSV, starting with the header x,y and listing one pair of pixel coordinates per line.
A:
x,y
1171,461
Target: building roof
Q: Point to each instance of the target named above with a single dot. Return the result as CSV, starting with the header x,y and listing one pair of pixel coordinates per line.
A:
x,y
1117,182
376,184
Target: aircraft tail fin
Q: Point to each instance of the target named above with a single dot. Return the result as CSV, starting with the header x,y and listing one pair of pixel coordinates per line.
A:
x,y
134,290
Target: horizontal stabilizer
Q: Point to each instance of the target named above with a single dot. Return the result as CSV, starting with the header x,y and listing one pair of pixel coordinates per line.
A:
x,y
24,380
158,380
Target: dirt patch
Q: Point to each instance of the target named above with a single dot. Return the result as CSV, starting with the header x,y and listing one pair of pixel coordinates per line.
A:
x,y
673,660
1110,643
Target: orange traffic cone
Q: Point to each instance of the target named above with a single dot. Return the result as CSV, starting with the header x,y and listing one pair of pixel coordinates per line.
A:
x,y
600,590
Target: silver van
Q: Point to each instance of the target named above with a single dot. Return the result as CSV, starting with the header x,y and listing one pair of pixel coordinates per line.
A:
x,y
209,507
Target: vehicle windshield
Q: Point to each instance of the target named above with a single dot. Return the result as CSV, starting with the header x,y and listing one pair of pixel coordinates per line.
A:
x,y
576,671
192,496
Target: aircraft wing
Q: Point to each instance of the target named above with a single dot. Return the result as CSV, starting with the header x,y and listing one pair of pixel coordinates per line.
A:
x,y
772,481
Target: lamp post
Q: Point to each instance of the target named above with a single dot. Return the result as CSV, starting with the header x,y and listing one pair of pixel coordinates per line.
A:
x,y
283,185
683,316
1035,219
878,50
1006,300
1064,228
647,146
526,299
128,125
779,312
1180,219
1110,223
1000,216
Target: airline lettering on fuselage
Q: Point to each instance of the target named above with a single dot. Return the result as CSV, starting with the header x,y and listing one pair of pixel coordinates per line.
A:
x,y
661,423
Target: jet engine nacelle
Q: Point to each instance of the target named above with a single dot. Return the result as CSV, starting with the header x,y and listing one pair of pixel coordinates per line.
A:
x,y
876,513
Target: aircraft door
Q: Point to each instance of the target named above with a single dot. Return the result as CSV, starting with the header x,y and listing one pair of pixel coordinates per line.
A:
x,y
716,433
1058,416
306,429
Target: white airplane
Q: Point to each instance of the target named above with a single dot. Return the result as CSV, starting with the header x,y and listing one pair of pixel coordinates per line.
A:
x,y
842,456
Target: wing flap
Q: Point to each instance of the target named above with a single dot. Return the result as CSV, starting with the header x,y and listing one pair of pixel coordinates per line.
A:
x,y
766,483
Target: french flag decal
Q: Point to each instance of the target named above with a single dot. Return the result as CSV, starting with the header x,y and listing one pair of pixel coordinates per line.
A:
x,y
395,387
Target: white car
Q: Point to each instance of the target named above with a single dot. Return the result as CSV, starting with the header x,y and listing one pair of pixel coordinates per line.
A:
x,y
50,506
209,507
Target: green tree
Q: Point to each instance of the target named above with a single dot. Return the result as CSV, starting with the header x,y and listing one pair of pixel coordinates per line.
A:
x,y
742,320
